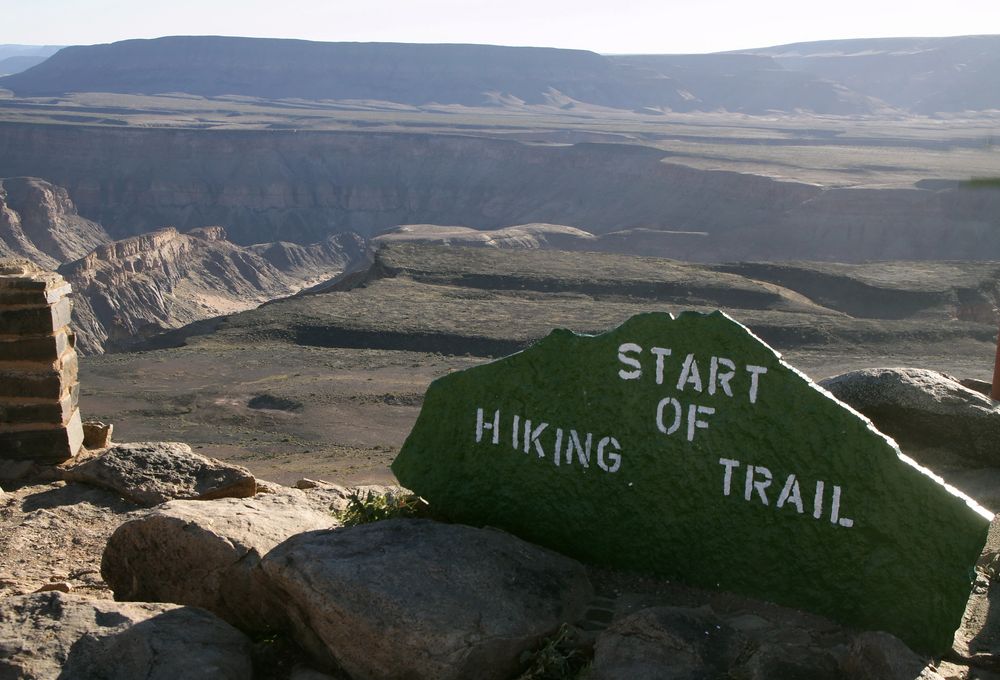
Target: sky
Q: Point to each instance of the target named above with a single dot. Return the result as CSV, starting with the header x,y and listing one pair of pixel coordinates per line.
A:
x,y
609,26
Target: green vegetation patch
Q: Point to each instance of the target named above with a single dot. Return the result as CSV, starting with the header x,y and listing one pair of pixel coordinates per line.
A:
x,y
375,507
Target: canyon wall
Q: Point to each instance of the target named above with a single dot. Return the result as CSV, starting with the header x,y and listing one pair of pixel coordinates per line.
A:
x,y
139,286
38,221
301,187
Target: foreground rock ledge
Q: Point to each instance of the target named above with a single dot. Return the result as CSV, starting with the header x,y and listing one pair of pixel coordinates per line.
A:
x,y
150,473
422,600
52,634
206,554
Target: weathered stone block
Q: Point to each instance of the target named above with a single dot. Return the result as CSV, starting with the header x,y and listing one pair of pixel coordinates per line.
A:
x,y
686,447
47,412
97,435
45,348
36,320
44,445
21,274
45,384
150,473
52,293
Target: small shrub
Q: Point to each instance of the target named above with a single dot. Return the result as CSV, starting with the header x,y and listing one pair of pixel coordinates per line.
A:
x,y
560,658
375,507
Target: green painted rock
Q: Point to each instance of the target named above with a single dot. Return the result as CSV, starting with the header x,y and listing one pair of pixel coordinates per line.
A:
x,y
686,447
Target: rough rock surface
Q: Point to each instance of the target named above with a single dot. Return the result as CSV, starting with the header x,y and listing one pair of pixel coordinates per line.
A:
x,y
97,435
932,416
419,599
205,554
520,236
150,473
667,643
138,286
54,634
54,533
875,655
977,642
683,643
39,221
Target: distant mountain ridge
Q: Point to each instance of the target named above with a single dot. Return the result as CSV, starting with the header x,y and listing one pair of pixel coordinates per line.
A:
x,y
845,77
28,50
17,58
923,75
19,63
404,73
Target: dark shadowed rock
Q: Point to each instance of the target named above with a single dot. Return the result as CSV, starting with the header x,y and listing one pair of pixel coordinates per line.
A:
x,y
880,656
150,473
931,415
982,386
791,662
205,554
668,643
419,599
52,634
304,673
677,643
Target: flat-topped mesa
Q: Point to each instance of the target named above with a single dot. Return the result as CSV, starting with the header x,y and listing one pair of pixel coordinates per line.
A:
x,y
39,389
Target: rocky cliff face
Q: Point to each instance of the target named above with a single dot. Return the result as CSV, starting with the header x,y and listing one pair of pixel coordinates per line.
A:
x,y
267,186
128,289
530,236
139,286
39,221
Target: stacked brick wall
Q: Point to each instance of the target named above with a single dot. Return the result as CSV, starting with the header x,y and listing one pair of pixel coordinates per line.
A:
x,y
39,389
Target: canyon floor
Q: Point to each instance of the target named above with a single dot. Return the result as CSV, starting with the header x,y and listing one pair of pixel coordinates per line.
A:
x,y
328,385
873,151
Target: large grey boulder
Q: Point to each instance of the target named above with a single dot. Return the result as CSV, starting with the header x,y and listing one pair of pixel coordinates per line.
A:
x,y
205,554
151,473
934,418
418,599
52,634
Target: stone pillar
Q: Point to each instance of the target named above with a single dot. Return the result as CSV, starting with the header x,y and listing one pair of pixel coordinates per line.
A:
x,y
39,390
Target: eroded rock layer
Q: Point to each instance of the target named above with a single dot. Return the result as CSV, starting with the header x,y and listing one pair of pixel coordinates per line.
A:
x,y
139,286
302,186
